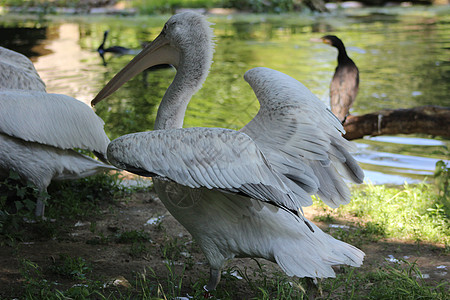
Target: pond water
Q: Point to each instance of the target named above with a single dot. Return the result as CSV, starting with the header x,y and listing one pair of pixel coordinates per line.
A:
x,y
403,56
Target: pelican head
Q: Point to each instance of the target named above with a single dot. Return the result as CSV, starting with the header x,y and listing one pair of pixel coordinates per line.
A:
x,y
186,42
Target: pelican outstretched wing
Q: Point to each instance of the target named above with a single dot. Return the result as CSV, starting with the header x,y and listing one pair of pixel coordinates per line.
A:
x,y
51,119
18,72
213,158
301,138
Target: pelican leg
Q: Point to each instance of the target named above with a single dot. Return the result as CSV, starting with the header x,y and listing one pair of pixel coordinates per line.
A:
x,y
214,278
40,207
311,288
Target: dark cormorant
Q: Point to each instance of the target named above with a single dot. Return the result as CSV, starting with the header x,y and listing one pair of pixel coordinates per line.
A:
x,y
113,49
118,50
345,82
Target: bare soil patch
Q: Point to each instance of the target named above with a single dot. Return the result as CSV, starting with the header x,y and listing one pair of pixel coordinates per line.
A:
x,y
143,212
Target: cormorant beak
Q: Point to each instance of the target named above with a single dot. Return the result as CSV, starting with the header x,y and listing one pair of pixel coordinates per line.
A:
x,y
158,52
326,41
320,40
315,40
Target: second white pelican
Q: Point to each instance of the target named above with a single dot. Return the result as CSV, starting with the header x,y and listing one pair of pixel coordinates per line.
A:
x,y
40,132
239,192
18,72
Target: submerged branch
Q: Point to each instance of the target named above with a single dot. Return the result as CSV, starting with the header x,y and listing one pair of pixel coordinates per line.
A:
x,y
433,120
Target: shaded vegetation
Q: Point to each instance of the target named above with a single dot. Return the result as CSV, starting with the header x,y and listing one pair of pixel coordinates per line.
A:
x,y
72,200
412,212
403,280
260,6
170,6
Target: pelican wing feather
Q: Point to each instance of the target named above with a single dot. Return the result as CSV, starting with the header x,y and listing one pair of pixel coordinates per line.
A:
x,y
213,158
300,136
41,164
18,72
69,123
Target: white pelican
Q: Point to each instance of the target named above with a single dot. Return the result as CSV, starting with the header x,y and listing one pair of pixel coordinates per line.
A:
x,y
239,192
38,131
18,72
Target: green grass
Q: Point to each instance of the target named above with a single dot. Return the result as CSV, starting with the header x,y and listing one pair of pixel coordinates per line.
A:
x,y
72,267
149,7
169,6
399,281
411,212
36,286
69,200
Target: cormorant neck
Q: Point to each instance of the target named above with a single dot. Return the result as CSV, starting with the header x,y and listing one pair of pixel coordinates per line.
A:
x,y
102,45
342,53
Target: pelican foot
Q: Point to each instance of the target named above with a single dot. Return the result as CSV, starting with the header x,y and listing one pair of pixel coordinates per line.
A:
x,y
214,278
207,294
312,289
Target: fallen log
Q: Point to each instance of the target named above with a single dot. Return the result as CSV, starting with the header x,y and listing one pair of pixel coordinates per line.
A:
x,y
430,119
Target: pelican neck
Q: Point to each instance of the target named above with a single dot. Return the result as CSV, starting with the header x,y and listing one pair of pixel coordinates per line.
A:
x,y
173,106
192,71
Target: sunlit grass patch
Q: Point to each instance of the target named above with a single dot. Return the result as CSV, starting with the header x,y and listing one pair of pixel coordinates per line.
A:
x,y
398,281
414,212
359,233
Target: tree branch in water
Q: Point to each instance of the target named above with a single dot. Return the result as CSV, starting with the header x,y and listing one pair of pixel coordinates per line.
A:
x,y
433,120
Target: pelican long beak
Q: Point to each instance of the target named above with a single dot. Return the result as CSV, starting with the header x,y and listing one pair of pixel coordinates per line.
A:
x,y
156,53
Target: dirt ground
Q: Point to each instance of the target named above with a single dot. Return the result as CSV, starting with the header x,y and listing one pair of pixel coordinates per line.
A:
x,y
143,211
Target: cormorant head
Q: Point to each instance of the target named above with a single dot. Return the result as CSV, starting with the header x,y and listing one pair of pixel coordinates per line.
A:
x,y
332,40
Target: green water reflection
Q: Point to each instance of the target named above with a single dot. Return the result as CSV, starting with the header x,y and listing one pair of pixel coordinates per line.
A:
x,y
403,62
403,57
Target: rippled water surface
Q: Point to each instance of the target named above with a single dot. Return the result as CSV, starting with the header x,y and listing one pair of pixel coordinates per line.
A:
x,y
403,56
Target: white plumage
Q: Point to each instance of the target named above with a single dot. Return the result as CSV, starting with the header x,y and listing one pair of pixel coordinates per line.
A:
x,y
18,72
294,129
38,131
239,192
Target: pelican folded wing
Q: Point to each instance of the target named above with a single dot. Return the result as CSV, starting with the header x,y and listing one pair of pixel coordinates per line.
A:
x,y
51,119
212,158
